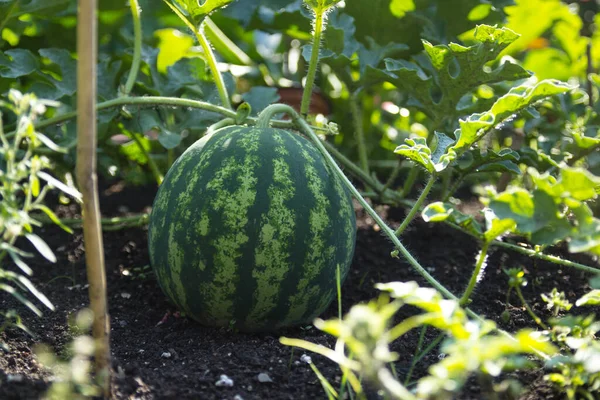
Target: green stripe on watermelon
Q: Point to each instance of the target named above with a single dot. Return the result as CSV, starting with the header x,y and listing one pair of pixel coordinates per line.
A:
x,y
249,225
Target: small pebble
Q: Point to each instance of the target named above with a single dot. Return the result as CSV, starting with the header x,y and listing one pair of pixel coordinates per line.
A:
x,y
264,378
166,354
238,397
224,380
14,378
306,359
125,295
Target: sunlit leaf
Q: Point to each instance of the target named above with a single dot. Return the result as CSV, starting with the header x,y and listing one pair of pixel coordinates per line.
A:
x,y
198,11
12,291
589,299
498,228
71,191
477,125
41,246
439,211
53,217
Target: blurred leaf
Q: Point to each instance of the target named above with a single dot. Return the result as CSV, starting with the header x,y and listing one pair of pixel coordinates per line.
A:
x,y
52,217
12,291
197,11
74,193
16,63
33,290
259,97
587,235
173,45
479,12
169,140
504,160
41,246
67,67
536,214
498,228
19,262
37,6
585,142
400,7
589,299
579,184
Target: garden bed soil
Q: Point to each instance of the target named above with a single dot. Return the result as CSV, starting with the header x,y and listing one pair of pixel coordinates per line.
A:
x,y
166,358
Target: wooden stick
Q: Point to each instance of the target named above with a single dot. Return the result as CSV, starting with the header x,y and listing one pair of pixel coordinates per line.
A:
x,y
87,43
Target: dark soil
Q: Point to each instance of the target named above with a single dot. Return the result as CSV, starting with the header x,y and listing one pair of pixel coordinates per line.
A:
x,y
178,358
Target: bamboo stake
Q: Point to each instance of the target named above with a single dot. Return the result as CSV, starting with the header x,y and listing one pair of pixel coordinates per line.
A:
x,y
87,180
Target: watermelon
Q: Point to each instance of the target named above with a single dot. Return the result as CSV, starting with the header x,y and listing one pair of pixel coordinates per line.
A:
x,y
248,229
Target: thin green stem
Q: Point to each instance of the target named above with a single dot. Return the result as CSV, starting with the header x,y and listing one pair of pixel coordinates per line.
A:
x,y
393,176
446,176
410,181
475,275
338,285
319,25
137,46
221,124
531,253
214,68
532,314
417,206
148,101
133,220
210,56
413,363
158,176
454,187
360,134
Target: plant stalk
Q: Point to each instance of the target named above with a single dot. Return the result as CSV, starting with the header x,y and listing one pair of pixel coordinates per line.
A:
x,y
357,116
532,253
392,178
319,25
475,276
214,68
417,206
158,176
137,46
530,311
87,42
410,181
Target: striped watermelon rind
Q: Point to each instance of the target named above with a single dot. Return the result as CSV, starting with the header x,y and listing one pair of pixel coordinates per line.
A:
x,y
248,227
